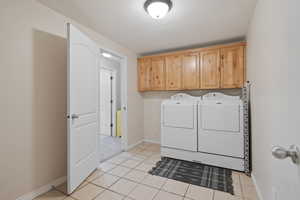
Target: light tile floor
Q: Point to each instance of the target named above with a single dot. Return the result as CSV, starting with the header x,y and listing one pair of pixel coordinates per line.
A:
x,y
109,146
125,177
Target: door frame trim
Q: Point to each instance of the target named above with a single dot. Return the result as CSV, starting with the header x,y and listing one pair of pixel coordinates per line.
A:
x,y
123,60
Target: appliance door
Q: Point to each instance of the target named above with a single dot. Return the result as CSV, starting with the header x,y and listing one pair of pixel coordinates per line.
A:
x,y
179,125
220,128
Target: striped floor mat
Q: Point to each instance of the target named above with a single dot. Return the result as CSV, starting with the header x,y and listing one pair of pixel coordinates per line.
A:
x,y
194,173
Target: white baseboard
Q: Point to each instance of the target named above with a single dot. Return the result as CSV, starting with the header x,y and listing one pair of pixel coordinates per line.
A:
x,y
41,190
151,141
256,187
133,145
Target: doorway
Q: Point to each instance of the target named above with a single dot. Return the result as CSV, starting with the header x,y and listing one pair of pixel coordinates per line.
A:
x,y
110,109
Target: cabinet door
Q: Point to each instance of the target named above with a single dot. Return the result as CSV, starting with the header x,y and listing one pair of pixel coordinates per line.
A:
x,y
210,69
174,72
232,67
158,73
190,71
144,74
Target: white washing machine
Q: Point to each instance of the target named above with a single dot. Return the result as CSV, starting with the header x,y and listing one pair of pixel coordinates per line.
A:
x,y
220,129
179,122
220,125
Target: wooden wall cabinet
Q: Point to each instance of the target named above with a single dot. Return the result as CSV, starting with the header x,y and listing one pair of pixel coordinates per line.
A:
x,y
158,73
216,67
144,74
151,74
190,71
232,67
174,72
210,69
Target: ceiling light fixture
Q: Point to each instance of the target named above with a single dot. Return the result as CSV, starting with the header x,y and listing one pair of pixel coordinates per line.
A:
x,y
158,8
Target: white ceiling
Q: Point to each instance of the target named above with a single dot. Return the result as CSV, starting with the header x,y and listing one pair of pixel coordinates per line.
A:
x,y
190,22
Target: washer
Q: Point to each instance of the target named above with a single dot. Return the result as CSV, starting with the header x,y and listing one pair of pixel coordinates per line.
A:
x,y
220,126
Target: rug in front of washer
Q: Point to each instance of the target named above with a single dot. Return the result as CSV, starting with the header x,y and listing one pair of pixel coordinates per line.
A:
x,y
195,173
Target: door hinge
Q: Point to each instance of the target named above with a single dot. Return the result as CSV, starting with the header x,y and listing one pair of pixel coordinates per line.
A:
x,y
111,78
111,125
111,101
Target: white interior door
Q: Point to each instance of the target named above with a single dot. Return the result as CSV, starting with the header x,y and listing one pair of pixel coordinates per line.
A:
x,y
105,102
83,123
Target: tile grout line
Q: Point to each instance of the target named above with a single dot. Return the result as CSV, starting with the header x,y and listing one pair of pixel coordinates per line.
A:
x,y
186,191
115,183
119,164
99,193
145,156
107,172
241,186
160,189
123,177
138,183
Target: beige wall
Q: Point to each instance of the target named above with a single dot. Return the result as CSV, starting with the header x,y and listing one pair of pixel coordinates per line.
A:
x,y
33,96
273,70
152,102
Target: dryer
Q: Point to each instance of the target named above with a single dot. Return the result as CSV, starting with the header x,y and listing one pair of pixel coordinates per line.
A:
x,y
179,122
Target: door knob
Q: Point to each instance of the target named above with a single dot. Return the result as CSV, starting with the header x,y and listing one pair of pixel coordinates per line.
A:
x,y
74,116
282,153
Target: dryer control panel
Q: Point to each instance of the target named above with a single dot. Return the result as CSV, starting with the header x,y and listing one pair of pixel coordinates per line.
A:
x,y
219,96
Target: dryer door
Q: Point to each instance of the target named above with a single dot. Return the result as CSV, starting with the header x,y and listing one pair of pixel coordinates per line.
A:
x,y
178,115
179,125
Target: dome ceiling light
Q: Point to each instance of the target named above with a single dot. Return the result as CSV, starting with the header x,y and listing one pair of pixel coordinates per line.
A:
x,y
106,55
158,8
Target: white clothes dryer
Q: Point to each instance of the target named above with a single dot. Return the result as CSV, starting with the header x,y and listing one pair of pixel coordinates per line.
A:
x,y
179,122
